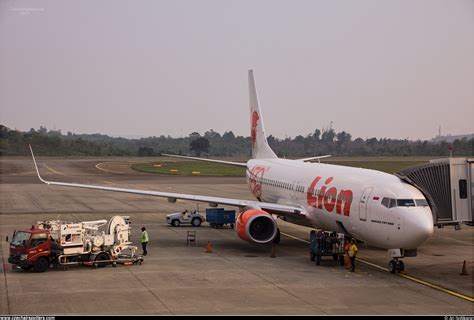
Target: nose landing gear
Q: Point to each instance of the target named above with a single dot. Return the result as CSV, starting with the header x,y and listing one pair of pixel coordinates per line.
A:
x,y
396,266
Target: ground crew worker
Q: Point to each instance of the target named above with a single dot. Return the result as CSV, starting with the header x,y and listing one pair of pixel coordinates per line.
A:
x,y
144,240
352,254
347,247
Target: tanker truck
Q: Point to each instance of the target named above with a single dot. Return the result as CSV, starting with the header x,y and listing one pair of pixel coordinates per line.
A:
x,y
97,243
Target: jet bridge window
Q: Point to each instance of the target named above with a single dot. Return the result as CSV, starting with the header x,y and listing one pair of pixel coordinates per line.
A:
x,y
463,188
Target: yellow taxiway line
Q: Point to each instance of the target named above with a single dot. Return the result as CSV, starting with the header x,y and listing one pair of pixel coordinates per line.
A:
x,y
98,167
52,170
403,275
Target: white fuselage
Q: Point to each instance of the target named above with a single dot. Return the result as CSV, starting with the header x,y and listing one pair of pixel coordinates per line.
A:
x,y
346,199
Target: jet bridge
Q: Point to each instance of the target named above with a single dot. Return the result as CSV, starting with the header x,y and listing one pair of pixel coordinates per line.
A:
x,y
448,184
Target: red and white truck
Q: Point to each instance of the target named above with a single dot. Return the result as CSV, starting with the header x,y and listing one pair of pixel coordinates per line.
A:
x,y
69,243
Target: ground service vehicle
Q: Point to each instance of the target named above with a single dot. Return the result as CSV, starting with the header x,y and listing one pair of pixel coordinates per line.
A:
x,y
326,244
218,217
193,218
68,243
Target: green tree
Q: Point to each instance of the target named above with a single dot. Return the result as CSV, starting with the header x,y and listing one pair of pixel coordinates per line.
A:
x,y
199,145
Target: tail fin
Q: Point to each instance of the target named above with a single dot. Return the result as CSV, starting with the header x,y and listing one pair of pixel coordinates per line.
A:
x,y
260,147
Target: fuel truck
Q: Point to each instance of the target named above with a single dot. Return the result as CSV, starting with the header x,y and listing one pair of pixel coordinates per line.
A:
x,y
97,243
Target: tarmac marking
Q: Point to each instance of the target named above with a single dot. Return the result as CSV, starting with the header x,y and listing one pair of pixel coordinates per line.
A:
x,y
403,275
52,170
98,167
20,174
5,277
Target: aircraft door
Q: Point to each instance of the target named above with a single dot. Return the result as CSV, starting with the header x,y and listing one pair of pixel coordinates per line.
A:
x,y
364,204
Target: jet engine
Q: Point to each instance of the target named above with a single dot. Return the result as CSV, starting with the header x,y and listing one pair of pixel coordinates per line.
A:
x,y
256,225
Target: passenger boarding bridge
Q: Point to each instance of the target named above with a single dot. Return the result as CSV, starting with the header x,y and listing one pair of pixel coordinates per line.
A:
x,y
448,184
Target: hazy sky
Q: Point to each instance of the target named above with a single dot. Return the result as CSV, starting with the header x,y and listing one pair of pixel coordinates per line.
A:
x,y
375,68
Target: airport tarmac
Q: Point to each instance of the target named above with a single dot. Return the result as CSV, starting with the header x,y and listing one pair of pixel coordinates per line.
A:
x,y
237,278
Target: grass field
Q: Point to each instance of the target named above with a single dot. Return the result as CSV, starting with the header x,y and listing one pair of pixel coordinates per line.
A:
x,y
186,168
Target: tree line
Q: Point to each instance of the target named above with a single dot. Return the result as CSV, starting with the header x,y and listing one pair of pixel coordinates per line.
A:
x,y
212,143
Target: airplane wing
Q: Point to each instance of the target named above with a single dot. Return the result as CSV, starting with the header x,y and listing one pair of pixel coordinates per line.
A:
x,y
239,164
314,158
273,208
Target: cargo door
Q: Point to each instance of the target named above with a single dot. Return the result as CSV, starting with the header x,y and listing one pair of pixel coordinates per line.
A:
x,y
364,203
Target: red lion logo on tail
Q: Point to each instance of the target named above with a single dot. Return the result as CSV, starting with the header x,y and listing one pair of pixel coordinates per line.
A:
x,y
253,131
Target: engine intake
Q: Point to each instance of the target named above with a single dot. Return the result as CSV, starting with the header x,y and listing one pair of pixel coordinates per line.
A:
x,y
256,225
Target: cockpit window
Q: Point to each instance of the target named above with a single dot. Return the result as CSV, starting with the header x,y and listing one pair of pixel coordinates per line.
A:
x,y
405,203
390,203
421,202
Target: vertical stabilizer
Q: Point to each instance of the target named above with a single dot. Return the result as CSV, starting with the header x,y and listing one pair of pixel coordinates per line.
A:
x,y
260,147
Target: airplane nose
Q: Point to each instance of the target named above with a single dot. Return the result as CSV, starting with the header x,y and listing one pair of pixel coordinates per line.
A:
x,y
421,228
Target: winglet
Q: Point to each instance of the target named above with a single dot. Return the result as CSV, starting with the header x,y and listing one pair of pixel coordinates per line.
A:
x,y
36,166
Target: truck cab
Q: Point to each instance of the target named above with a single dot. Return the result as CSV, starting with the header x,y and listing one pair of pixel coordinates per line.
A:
x,y
32,248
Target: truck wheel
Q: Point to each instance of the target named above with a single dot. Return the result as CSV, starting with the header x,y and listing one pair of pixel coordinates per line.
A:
x,y
175,223
26,268
102,257
196,222
41,265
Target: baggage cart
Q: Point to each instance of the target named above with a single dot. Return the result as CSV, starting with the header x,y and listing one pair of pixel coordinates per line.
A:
x,y
326,244
218,217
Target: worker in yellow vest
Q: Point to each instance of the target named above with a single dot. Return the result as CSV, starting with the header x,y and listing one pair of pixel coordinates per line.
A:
x,y
144,240
352,254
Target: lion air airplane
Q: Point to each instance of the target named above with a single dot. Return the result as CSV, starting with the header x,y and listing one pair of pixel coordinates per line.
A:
x,y
371,206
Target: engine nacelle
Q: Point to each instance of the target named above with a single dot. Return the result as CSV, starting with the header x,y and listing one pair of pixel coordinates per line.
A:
x,y
256,225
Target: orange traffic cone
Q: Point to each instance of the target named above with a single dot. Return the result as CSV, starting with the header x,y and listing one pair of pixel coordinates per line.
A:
x,y
209,247
273,252
464,269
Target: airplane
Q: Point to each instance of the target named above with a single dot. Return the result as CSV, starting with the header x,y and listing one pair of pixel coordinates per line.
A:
x,y
371,206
